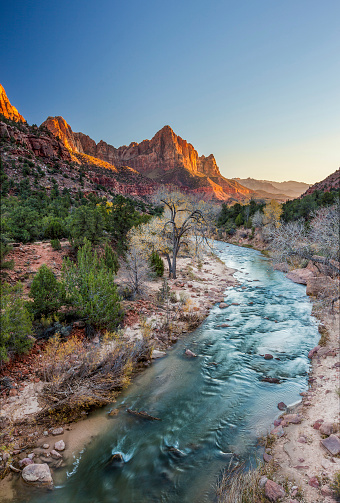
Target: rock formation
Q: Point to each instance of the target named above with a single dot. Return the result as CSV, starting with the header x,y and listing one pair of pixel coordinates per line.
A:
x,y
166,159
8,110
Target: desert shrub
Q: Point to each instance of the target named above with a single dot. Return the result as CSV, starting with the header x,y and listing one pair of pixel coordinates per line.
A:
x,y
54,228
15,320
156,264
111,259
55,243
335,485
163,293
80,376
90,288
46,292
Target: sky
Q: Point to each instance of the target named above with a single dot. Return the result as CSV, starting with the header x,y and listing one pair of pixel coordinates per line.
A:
x,y
255,82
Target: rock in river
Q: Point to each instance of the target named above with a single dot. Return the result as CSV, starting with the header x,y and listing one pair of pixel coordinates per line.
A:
x,y
190,353
38,475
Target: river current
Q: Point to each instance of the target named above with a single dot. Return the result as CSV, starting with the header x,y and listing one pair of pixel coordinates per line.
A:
x,y
211,407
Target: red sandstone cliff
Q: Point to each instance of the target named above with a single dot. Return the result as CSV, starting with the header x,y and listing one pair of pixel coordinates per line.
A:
x,y
166,159
8,110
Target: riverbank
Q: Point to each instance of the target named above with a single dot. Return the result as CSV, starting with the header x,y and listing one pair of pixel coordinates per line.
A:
x,y
303,455
198,287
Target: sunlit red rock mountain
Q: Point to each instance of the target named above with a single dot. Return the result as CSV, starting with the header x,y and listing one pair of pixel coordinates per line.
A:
x,y
166,159
8,110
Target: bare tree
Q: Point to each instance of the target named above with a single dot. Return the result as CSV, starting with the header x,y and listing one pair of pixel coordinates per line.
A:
x,y
138,270
182,222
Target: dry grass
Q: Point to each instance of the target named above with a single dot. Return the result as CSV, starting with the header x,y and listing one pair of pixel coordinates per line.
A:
x,y
81,376
238,485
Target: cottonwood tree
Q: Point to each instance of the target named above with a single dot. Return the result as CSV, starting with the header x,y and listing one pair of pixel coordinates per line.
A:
x,y
182,224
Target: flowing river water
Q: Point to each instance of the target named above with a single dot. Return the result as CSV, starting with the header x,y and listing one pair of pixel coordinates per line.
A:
x,y
212,407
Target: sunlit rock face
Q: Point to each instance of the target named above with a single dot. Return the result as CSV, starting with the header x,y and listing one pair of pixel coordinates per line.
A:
x,y
165,159
8,110
59,128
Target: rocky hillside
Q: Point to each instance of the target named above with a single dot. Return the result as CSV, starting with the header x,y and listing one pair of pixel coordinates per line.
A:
x,y
332,182
33,155
8,110
277,190
166,159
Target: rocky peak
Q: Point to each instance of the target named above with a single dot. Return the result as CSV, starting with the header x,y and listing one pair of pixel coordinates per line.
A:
x,y
8,110
59,128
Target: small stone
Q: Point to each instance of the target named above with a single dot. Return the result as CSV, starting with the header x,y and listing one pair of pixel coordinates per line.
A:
x,y
157,354
292,418
277,422
113,412
262,481
223,305
267,356
57,431
55,454
46,446
190,353
313,351
46,433
317,424
60,445
26,462
281,406
267,457
302,440
31,455
301,460
313,482
273,491
13,392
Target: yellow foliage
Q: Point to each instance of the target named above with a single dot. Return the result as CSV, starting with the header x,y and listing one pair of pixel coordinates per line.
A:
x,y
272,212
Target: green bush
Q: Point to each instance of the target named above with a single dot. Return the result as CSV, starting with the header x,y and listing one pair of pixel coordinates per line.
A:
x,y
156,264
54,228
335,485
55,243
15,320
111,259
46,292
5,248
90,288
86,223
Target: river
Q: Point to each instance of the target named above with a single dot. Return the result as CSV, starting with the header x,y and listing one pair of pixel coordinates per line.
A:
x,y
211,407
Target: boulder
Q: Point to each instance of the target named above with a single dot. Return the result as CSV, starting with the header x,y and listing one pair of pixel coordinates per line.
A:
x,y
281,406
326,428
318,285
60,445
273,491
268,356
223,305
38,475
281,266
332,444
292,418
300,276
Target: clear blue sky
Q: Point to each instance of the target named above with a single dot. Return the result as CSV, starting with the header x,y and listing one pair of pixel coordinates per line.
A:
x,y
255,82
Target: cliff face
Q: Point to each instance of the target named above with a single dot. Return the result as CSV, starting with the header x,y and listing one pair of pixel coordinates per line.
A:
x,y
41,145
165,159
8,110
168,159
60,129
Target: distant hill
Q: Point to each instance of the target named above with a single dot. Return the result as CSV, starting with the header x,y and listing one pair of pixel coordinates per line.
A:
x,y
279,190
331,182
